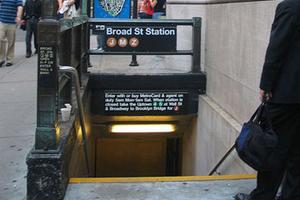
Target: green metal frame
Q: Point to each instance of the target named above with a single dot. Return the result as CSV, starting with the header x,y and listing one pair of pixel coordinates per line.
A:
x,y
56,33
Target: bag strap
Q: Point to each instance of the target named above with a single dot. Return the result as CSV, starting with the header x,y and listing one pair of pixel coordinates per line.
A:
x,y
268,116
257,115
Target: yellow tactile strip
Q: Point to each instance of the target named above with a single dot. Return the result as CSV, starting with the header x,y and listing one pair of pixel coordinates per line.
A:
x,y
162,179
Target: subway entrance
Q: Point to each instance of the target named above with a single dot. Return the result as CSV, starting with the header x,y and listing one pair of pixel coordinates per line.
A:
x,y
138,129
138,97
122,124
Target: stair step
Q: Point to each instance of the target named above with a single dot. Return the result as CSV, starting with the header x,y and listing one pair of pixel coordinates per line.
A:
x,y
160,188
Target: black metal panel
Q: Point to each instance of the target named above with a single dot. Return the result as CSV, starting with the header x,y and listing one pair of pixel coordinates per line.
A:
x,y
178,52
185,86
141,108
186,81
196,45
190,105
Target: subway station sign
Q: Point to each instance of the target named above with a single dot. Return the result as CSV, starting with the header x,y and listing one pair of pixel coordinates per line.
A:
x,y
145,38
134,102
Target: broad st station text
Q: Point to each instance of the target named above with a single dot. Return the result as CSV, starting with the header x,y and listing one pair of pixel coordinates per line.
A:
x,y
140,31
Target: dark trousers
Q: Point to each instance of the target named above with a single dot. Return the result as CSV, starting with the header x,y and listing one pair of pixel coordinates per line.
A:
x,y
286,123
31,28
145,16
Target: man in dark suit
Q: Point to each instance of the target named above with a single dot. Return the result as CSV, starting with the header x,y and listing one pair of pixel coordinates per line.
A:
x,y
280,86
32,15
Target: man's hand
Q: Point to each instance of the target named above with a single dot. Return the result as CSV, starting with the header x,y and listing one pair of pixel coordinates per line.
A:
x,y
19,14
265,96
18,20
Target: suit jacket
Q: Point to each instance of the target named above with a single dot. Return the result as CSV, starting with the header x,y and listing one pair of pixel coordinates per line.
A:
x,y
281,70
33,8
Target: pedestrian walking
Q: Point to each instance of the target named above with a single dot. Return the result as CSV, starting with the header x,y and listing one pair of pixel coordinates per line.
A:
x,y
146,8
10,15
32,16
280,86
68,9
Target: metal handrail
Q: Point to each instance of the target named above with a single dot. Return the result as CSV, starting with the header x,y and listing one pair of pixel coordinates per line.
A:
x,y
221,161
73,71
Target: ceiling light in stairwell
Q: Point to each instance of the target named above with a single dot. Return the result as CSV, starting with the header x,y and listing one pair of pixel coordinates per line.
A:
x,y
143,128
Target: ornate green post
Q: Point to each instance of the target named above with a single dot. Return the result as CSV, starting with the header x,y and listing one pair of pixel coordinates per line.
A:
x,y
47,132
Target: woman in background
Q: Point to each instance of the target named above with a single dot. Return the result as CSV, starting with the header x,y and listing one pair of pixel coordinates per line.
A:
x,y
146,8
67,9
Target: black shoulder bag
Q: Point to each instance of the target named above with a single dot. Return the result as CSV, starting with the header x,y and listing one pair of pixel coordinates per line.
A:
x,y
256,142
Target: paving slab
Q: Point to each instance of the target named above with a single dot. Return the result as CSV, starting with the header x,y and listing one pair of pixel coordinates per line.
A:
x,y
17,120
13,167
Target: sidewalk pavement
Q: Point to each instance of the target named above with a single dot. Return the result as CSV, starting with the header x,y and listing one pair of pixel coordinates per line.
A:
x,y
17,120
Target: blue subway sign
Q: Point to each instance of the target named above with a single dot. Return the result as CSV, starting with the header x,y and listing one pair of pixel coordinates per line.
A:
x,y
112,9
